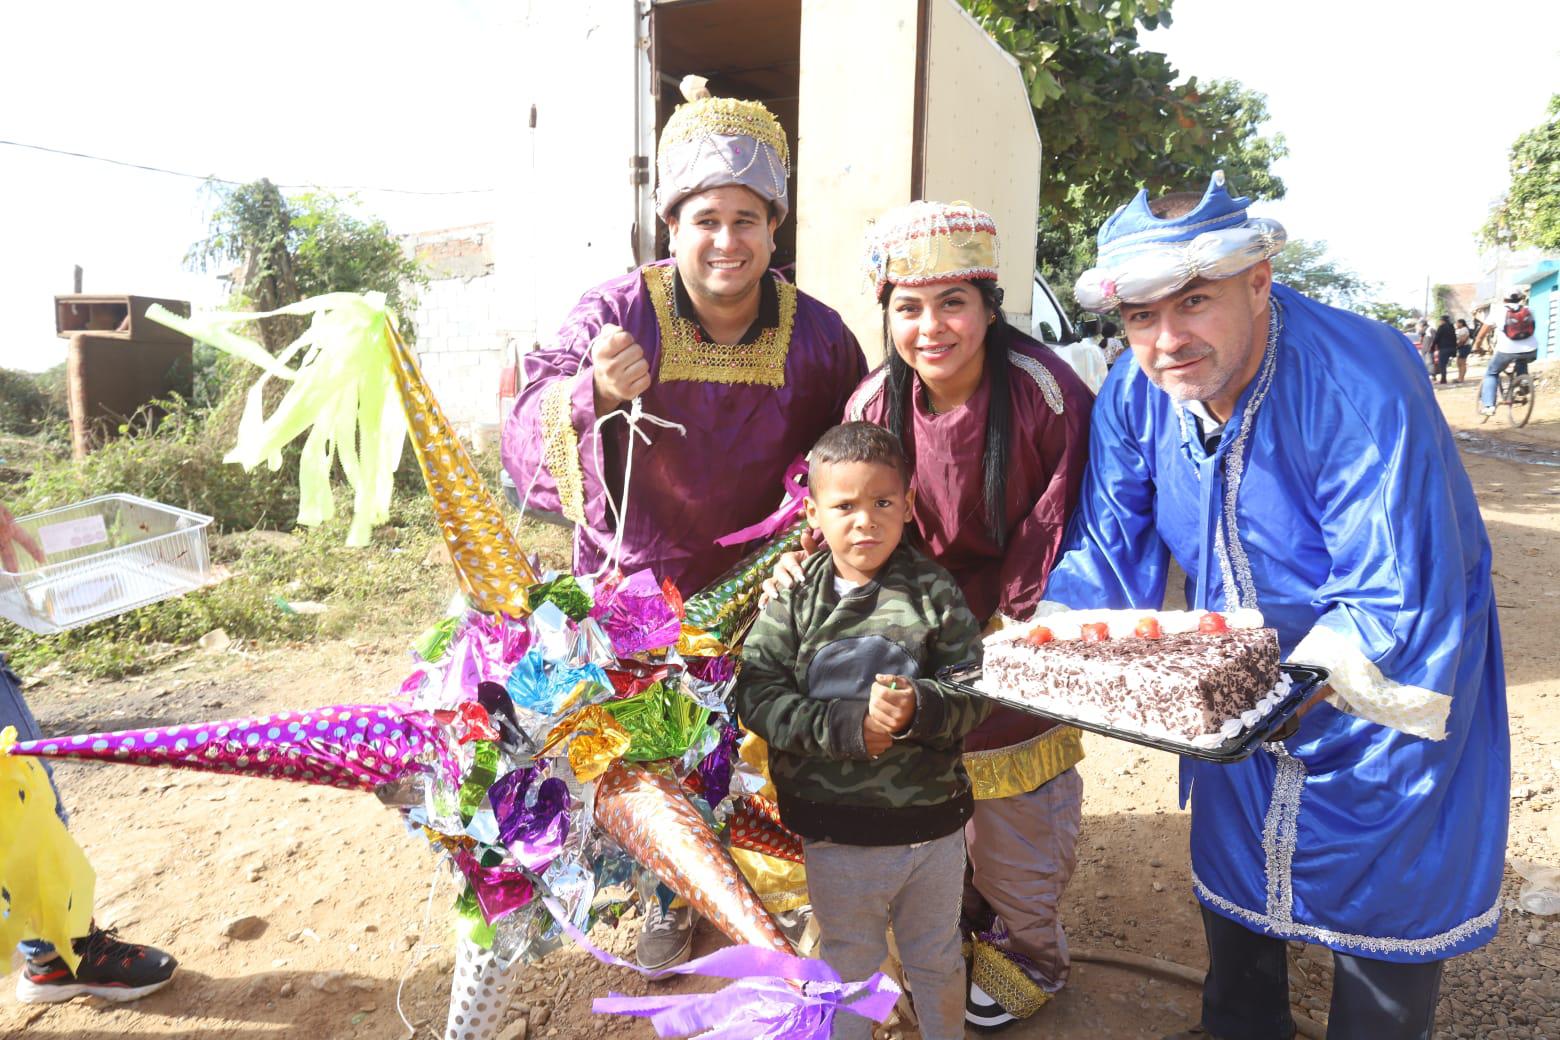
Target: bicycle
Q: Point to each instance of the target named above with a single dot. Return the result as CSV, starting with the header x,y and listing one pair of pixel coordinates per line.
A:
x,y
1515,390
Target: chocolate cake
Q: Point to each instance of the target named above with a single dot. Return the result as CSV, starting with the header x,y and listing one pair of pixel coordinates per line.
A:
x,y
1159,680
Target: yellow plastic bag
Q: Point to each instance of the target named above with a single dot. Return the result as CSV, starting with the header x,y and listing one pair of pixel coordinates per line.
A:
x,y
47,881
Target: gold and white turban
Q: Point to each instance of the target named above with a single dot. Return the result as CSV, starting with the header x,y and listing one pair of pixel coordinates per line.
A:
x,y
928,242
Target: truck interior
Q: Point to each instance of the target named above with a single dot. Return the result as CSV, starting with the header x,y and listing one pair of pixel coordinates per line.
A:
x,y
747,49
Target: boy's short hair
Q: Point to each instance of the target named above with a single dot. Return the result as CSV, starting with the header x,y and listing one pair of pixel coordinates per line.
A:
x,y
861,442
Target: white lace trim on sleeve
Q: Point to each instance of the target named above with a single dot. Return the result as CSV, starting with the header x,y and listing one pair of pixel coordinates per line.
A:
x,y
1361,690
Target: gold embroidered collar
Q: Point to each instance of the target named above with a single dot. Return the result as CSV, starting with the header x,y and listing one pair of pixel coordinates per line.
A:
x,y
687,357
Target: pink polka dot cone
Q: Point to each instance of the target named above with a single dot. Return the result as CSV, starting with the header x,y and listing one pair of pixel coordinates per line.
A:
x,y
650,817
352,746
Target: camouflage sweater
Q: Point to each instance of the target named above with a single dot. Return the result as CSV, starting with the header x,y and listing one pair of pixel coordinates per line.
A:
x,y
807,673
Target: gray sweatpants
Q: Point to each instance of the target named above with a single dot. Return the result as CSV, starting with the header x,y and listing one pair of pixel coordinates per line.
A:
x,y
859,890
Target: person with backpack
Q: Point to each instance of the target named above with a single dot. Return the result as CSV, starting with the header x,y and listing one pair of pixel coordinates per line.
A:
x,y
1514,345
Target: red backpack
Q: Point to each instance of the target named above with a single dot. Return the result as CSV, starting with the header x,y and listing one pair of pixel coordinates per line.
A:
x,y
1519,324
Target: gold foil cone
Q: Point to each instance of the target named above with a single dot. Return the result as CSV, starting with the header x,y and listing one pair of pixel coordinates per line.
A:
x,y
492,570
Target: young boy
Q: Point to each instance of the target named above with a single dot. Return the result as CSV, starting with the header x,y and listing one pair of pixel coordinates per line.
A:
x,y
864,744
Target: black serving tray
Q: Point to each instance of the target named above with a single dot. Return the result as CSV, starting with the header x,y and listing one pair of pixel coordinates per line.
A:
x,y
1305,680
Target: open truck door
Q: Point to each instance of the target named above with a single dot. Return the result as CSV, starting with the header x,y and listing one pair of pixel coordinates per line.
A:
x,y
577,119
884,101
904,100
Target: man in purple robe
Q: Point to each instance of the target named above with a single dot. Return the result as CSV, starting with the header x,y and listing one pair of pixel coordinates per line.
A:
x,y
675,397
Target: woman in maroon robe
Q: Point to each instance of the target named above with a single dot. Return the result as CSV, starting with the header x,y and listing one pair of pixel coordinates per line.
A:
x,y
996,428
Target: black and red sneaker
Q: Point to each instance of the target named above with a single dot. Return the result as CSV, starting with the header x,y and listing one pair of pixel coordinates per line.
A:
x,y
109,968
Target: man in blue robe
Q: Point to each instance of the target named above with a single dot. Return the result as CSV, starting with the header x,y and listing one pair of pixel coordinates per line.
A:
x,y
1292,459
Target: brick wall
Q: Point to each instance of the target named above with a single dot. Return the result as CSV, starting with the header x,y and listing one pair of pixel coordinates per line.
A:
x,y
459,344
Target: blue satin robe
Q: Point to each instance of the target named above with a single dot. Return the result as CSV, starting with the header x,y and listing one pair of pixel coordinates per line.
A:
x,y
1336,498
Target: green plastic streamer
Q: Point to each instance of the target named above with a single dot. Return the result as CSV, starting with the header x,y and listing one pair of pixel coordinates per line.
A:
x,y
343,393
564,593
433,644
483,771
469,922
661,723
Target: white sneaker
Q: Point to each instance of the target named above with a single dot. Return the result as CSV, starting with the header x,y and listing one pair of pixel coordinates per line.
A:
x,y
982,1012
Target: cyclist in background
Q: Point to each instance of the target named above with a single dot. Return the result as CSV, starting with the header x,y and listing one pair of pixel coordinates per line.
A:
x,y
1514,345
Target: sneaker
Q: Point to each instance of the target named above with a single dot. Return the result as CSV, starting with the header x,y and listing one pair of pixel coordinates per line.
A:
x,y
797,926
665,938
1486,412
109,968
984,1013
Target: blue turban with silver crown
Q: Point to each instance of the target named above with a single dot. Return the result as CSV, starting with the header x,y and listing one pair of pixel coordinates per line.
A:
x,y
1144,258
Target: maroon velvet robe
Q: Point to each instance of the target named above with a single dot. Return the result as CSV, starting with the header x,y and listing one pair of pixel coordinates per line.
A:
x,y
1050,409
749,410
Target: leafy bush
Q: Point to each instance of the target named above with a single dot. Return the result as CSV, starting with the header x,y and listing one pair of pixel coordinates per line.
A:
x,y
178,463
31,401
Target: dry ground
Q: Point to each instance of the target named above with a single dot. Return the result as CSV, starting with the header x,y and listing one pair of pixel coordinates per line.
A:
x,y
344,893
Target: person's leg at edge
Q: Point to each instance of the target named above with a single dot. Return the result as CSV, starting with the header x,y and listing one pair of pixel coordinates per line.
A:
x,y
925,916
109,968
1497,365
1246,992
1382,1000
851,887
14,712
1023,850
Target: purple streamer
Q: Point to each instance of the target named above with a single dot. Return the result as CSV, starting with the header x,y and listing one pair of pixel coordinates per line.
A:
x,y
762,1004
500,890
714,670
636,616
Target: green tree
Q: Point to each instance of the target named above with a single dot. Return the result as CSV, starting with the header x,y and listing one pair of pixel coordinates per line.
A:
x,y
1304,266
1112,118
1530,212
1394,314
286,248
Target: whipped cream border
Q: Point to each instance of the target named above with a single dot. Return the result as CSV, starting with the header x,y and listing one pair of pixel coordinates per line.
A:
x,y
1122,624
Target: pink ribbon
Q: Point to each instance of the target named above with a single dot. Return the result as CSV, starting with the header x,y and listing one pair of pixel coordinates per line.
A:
x,y
775,996
795,484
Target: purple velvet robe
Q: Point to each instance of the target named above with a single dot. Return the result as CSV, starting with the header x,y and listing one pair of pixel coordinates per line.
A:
x,y
747,419
1050,409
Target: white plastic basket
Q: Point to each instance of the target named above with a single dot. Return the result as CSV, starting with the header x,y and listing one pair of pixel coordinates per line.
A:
x,y
103,557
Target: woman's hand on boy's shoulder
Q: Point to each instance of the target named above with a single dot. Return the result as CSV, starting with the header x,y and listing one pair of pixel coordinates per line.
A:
x,y
788,569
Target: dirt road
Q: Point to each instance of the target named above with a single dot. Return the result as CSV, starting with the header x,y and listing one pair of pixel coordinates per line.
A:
x,y
348,905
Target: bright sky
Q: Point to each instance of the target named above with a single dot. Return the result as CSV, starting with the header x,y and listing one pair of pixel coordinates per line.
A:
x,y
392,93
1398,115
